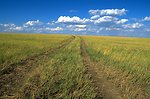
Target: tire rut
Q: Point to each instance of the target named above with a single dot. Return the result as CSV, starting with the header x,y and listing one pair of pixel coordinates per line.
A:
x,y
104,88
12,77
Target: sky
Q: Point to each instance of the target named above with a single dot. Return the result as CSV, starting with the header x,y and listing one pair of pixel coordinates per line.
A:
x,y
87,17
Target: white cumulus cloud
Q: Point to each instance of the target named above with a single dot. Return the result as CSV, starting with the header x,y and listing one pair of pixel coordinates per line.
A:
x,y
80,26
95,17
134,25
74,19
77,27
80,29
32,23
100,21
113,12
69,19
8,25
19,28
147,18
105,19
54,29
121,21
110,29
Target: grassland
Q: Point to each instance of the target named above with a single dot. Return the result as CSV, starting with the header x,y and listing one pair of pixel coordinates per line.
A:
x,y
56,73
124,61
64,75
40,66
17,47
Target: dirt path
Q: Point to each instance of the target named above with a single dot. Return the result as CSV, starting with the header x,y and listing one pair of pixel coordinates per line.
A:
x,y
105,89
12,77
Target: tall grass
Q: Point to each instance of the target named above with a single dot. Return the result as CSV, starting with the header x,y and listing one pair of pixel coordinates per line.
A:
x,y
62,77
15,47
130,55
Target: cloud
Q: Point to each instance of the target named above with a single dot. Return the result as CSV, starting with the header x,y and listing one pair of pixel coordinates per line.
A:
x,y
95,17
133,26
18,28
80,29
105,19
56,29
111,12
110,29
121,21
8,25
146,19
76,28
74,19
80,26
103,22
66,19
32,23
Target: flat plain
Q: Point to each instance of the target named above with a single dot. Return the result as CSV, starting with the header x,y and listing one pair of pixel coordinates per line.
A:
x,y
49,66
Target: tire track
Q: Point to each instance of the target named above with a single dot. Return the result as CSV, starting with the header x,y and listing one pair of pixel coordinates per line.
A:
x,y
104,88
13,76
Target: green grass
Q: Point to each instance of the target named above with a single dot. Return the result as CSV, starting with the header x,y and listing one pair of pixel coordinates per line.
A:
x,y
61,75
124,61
130,55
16,47
64,75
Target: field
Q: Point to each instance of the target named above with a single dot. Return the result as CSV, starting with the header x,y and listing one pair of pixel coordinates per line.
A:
x,y
124,61
41,66
16,47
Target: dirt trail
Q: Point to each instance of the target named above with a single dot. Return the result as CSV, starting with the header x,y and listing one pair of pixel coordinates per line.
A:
x,y
105,89
13,76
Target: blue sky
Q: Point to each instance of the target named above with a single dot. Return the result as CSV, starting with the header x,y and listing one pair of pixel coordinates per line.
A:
x,y
92,17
